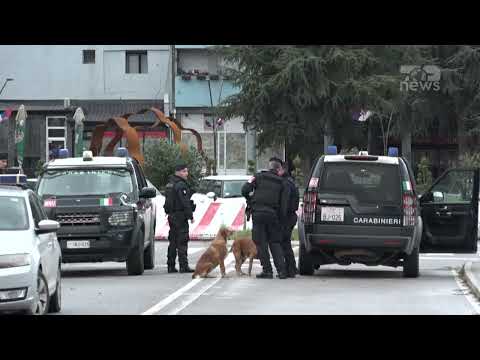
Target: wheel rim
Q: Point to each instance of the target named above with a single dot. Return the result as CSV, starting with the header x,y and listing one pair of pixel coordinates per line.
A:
x,y
42,297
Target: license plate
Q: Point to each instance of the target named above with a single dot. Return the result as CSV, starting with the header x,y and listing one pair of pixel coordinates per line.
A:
x,y
84,244
334,214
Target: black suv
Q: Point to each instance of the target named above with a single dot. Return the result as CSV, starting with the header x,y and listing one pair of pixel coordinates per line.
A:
x,y
104,207
365,209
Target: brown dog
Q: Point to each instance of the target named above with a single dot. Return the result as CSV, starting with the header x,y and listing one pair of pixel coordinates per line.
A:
x,y
214,255
244,248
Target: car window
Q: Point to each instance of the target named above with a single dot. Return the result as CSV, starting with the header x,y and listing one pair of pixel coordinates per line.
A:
x,y
36,212
455,187
142,182
207,186
85,182
368,183
232,188
14,213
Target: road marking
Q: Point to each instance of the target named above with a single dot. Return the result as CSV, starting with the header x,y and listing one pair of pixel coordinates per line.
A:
x,y
172,297
467,293
434,254
228,268
474,259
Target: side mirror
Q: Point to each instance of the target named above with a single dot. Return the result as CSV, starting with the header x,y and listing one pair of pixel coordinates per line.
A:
x,y
147,193
211,195
426,197
438,196
47,226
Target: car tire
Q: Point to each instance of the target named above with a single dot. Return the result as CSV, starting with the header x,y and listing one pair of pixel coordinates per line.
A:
x,y
56,299
411,264
135,265
305,264
149,256
42,297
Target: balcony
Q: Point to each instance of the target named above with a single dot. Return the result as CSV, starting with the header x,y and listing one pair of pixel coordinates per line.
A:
x,y
194,93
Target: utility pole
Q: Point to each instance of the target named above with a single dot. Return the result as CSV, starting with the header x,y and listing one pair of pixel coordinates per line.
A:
x,y
214,124
173,110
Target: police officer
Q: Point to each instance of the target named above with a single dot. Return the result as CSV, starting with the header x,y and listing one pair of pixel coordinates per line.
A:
x,y
179,209
269,206
291,221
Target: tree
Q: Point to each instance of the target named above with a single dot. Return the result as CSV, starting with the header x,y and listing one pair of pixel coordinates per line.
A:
x,y
160,161
305,95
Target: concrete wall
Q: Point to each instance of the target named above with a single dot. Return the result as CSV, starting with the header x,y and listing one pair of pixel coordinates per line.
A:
x,y
199,59
57,71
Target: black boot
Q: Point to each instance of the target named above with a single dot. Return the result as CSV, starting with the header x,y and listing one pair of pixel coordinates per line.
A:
x,y
172,269
265,275
186,269
282,275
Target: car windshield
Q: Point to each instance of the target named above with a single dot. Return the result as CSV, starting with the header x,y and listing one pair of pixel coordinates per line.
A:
x,y
232,189
85,182
13,212
207,186
368,183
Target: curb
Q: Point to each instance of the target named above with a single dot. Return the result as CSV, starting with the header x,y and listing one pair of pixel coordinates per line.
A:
x,y
470,279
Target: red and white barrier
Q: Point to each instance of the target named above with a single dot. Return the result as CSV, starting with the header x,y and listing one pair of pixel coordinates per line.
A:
x,y
209,216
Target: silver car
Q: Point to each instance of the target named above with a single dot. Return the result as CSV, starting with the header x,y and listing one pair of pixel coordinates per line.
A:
x,y
30,256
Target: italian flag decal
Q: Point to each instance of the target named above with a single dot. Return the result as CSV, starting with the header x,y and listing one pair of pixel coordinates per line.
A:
x,y
106,202
407,186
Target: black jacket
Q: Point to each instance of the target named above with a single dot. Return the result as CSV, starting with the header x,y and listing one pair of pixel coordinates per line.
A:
x,y
177,197
294,196
267,192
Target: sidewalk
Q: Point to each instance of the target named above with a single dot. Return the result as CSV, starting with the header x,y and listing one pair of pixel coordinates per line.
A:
x,y
472,277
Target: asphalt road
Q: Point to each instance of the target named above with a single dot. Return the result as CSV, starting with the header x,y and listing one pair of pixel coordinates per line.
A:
x,y
105,288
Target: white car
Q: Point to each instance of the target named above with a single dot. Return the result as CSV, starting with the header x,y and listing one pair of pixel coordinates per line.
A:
x,y
30,256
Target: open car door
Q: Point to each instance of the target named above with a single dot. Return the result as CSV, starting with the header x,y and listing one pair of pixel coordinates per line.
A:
x,y
449,211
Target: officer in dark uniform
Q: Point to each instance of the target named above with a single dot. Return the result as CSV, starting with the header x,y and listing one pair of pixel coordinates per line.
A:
x,y
179,209
291,221
269,206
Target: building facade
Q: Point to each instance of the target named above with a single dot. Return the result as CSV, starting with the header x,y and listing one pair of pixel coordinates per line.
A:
x,y
52,81
201,85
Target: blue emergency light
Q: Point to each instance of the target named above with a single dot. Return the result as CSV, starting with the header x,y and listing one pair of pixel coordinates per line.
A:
x,y
122,152
63,154
332,150
13,179
393,151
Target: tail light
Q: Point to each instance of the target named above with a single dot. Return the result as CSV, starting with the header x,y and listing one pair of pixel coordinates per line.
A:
x,y
310,202
409,209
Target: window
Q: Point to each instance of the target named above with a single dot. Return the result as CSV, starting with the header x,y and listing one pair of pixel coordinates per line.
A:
x,y
136,62
85,182
89,56
56,136
14,213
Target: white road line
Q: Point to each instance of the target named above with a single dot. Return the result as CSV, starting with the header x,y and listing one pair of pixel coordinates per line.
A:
x,y
230,259
434,254
467,293
474,259
172,297
156,308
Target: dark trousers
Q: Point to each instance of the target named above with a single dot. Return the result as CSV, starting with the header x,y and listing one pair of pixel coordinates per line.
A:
x,y
290,264
267,233
178,240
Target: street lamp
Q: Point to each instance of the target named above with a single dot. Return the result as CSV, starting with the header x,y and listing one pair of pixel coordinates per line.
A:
x,y
5,84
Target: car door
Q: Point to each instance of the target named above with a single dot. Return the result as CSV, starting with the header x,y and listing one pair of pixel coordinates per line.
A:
x,y
45,245
449,210
145,205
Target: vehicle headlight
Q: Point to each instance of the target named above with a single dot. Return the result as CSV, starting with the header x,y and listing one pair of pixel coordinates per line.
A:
x,y
121,218
15,260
